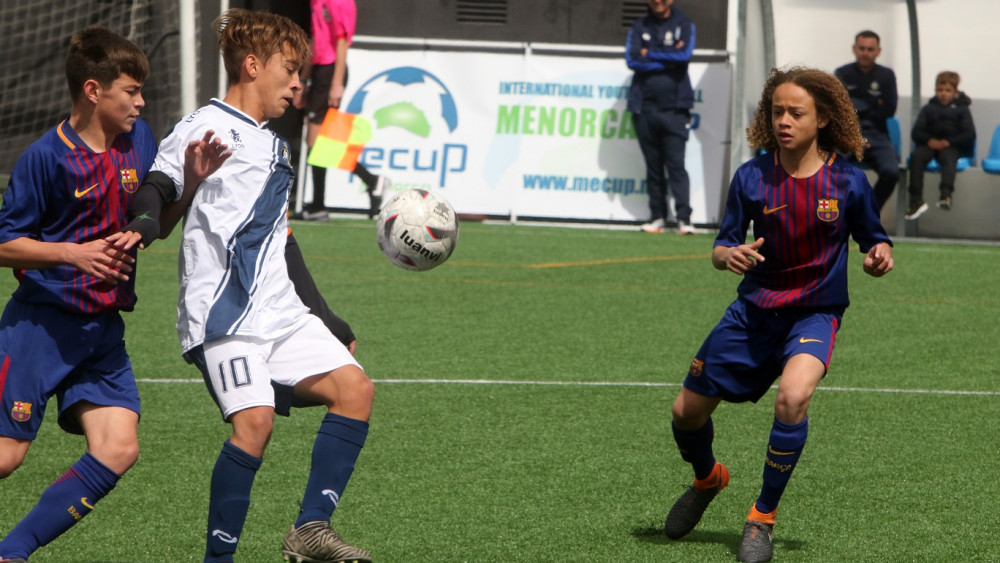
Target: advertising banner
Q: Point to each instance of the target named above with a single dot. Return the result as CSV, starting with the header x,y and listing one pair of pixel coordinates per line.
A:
x,y
522,134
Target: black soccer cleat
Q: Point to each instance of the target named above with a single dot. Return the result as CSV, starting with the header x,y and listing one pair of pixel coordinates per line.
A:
x,y
756,546
689,508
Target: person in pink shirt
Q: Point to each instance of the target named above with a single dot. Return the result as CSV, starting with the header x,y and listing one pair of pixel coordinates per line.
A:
x,y
333,24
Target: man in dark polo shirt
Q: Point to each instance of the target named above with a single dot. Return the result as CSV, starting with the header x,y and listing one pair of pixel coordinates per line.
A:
x,y
873,91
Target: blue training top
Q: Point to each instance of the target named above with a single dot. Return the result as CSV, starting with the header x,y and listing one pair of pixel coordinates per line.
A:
x,y
805,223
873,94
661,80
62,191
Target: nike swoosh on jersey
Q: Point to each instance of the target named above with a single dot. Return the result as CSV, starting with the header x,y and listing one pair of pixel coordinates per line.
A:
x,y
770,211
78,193
805,340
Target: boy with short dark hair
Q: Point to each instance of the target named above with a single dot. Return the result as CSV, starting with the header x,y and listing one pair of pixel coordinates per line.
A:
x,y
943,131
61,230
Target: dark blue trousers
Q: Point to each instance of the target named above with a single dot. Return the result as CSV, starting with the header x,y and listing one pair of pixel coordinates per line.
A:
x,y
662,138
882,158
921,155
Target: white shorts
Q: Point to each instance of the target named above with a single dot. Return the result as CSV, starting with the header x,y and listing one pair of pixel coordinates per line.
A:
x,y
245,371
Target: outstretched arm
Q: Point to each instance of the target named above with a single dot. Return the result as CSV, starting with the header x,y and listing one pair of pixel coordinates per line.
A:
x,y
106,259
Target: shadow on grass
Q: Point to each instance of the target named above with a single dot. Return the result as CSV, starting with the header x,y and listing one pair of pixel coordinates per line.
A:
x,y
732,540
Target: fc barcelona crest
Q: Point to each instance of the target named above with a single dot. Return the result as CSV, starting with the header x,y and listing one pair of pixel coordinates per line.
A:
x,y
827,210
129,179
696,367
21,411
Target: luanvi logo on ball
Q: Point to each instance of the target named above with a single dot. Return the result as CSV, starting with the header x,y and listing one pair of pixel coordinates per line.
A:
x,y
417,230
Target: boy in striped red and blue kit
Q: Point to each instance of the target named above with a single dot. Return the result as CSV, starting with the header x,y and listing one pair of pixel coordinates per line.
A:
x,y
61,332
805,202
67,232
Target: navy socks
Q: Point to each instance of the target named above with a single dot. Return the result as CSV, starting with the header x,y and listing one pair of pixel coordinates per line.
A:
x,y
229,502
71,497
696,448
335,451
783,451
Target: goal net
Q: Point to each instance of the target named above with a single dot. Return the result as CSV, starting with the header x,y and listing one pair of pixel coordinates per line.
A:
x,y
34,36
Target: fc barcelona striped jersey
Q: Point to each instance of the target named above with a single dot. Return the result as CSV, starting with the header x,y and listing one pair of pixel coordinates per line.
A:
x,y
805,224
62,191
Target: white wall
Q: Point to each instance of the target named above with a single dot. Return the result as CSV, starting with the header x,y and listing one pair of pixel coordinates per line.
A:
x,y
820,34
958,35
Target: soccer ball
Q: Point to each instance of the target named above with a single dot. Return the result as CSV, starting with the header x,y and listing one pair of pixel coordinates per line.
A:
x,y
417,230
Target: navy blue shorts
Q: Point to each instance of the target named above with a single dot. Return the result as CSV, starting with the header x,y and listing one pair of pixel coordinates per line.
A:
x,y
747,350
46,351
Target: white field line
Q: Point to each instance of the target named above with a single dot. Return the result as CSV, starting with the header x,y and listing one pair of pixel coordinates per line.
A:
x,y
627,384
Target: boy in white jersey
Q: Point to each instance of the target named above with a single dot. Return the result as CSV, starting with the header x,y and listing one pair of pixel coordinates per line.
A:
x,y
239,318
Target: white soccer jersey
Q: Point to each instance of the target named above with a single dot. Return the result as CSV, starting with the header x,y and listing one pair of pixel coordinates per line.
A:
x,y
233,277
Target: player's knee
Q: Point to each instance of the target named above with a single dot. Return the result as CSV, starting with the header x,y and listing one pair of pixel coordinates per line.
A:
x,y
261,426
355,395
253,426
677,412
354,387
687,422
791,407
128,455
12,453
118,455
364,389
8,465
687,418
124,458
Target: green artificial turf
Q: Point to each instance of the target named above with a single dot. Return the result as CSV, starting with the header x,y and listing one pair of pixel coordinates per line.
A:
x,y
522,411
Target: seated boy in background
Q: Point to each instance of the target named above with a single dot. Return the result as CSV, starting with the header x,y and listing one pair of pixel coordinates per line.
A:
x,y
943,131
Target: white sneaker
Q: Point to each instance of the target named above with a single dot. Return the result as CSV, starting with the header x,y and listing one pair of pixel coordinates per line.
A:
x,y
654,226
685,228
914,213
321,216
